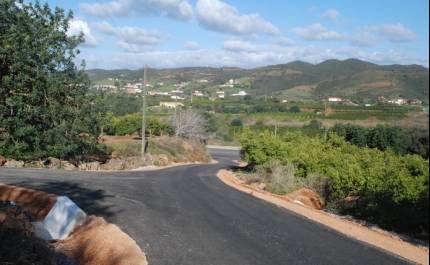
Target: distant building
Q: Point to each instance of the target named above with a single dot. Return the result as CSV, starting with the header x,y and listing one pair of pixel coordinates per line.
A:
x,y
171,104
241,93
334,99
398,101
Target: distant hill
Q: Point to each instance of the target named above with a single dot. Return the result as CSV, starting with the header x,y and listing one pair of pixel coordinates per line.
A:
x,y
353,79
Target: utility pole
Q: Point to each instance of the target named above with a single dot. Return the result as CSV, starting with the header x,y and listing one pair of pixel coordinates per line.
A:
x,y
276,128
144,112
176,104
325,106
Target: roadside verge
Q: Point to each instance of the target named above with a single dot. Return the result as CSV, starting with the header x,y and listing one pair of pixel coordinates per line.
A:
x,y
354,230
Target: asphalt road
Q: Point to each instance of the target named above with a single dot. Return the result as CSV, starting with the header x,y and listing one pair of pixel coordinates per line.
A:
x,y
186,215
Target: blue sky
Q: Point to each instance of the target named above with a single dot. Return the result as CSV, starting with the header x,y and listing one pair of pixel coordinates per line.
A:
x,y
247,34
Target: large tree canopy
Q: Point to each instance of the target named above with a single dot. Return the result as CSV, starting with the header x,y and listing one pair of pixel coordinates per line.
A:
x,y
45,109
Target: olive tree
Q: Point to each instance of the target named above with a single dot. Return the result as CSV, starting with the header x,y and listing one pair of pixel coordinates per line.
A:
x,y
45,109
190,124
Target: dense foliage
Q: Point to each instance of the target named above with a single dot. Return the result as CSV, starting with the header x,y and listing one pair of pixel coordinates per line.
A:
x,y
44,106
132,124
402,141
122,103
381,178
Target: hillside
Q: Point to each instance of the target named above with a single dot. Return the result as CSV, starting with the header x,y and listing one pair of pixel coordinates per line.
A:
x,y
353,79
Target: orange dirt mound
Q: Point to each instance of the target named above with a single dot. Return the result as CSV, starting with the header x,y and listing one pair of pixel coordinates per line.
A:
x,y
307,197
98,242
94,242
36,204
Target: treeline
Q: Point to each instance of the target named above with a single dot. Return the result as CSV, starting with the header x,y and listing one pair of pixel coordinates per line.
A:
x,y
383,137
241,108
132,124
393,190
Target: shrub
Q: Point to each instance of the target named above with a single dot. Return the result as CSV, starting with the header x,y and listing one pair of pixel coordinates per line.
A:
x,y
236,122
379,177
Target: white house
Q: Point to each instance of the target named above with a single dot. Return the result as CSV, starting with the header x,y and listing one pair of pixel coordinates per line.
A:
x,y
398,101
171,104
241,93
334,99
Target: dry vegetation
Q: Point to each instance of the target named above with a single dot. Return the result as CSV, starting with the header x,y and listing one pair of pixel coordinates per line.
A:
x,y
176,149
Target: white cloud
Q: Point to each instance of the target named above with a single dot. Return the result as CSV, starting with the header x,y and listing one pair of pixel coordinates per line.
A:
x,y
219,16
282,41
175,9
192,46
364,39
394,33
331,13
78,26
383,57
133,35
136,39
238,46
256,56
243,54
318,32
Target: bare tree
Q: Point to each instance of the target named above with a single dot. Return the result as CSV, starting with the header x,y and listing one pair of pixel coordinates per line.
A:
x,y
190,124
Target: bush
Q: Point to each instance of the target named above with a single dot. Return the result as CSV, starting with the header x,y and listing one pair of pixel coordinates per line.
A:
x,y
236,122
380,177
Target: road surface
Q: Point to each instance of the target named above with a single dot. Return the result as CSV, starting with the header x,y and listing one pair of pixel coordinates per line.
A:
x,y
186,215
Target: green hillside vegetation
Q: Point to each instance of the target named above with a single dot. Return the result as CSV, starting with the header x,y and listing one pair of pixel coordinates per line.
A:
x,y
351,79
391,190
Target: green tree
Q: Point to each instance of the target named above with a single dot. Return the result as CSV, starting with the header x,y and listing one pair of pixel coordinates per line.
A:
x,y
294,109
354,134
45,109
315,124
236,122
122,103
247,97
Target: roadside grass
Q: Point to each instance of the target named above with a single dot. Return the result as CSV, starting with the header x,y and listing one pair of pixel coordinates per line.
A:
x,y
280,179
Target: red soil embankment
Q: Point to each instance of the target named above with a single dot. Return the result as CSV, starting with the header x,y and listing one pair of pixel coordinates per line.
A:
x,y
94,242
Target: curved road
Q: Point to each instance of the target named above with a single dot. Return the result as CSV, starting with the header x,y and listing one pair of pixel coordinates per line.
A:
x,y
186,215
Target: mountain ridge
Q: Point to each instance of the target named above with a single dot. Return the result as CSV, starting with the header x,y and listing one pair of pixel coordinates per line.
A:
x,y
354,79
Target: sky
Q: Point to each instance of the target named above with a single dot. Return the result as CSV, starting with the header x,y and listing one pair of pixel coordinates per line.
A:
x,y
127,34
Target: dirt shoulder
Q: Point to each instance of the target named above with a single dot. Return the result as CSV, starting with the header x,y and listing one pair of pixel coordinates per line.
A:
x,y
94,242
354,230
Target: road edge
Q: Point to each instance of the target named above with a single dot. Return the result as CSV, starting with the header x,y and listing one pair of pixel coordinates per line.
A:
x,y
351,229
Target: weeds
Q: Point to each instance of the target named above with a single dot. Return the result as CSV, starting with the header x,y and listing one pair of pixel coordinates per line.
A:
x,y
280,179
127,149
